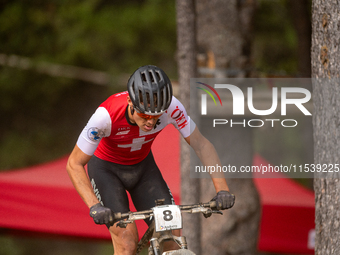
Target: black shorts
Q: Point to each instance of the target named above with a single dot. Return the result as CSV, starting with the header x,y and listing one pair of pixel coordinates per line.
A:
x,y
143,181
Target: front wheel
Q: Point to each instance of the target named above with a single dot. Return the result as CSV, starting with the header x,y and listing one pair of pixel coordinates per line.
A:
x,y
179,252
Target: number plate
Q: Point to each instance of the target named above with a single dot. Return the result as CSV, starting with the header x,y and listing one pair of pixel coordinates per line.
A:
x,y
167,217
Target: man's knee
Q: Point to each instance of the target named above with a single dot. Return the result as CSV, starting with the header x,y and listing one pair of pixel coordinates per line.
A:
x,y
124,239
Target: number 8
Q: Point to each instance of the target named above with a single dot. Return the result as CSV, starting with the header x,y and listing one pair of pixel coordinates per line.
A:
x,y
167,215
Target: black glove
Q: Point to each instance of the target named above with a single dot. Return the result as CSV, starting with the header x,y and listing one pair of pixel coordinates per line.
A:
x,y
102,215
224,200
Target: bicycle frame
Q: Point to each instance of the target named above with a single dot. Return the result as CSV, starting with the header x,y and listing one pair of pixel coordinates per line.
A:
x,y
157,238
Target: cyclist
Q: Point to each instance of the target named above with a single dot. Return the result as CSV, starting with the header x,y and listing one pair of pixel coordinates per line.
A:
x,y
116,146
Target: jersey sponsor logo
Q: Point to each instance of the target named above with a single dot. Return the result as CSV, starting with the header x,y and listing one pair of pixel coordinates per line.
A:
x,y
125,132
179,117
136,145
121,93
96,191
157,123
94,134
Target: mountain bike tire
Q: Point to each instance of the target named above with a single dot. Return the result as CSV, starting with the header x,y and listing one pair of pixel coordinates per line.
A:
x,y
179,252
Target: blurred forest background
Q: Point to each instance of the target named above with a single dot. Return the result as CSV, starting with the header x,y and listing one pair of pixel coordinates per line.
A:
x,y
60,59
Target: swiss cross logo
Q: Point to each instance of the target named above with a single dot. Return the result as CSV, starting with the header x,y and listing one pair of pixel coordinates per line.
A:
x,y
136,145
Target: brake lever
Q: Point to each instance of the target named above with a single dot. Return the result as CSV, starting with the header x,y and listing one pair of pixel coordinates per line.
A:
x,y
123,223
217,211
209,212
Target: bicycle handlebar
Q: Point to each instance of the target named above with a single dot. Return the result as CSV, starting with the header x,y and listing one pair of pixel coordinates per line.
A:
x,y
205,208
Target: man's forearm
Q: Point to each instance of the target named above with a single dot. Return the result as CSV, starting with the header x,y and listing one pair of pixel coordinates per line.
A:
x,y
219,183
212,159
82,185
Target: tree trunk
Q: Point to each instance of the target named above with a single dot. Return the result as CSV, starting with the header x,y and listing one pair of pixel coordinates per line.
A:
x,y
326,118
186,46
224,36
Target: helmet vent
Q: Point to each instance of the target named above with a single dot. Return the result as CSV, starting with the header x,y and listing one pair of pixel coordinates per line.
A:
x,y
143,77
158,76
151,77
147,95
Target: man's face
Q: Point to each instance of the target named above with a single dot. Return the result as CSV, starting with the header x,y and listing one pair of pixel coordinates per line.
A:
x,y
145,122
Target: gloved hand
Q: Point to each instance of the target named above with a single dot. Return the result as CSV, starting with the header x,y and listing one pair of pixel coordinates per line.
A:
x,y
102,214
224,200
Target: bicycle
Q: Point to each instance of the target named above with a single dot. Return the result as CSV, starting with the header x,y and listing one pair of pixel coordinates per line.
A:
x,y
165,218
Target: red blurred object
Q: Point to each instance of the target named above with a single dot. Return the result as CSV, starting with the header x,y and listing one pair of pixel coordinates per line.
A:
x,y
288,213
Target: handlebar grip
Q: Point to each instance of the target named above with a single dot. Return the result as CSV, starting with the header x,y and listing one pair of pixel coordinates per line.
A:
x,y
212,204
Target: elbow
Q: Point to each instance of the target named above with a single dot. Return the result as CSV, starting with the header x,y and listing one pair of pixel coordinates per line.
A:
x,y
76,161
69,166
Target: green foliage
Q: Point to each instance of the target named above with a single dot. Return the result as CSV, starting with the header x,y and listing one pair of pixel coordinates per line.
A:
x,y
275,39
90,34
30,245
43,115
9,247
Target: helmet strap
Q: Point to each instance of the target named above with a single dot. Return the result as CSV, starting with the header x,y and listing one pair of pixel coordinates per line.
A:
x,y
132,110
